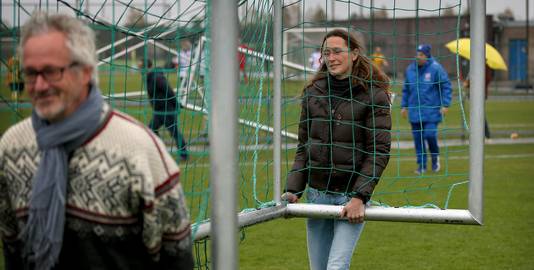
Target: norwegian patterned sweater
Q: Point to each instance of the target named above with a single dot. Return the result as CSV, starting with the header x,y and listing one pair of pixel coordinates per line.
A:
x,y
125,205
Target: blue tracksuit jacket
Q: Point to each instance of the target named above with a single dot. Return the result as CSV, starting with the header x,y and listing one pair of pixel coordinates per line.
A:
x,y
426,89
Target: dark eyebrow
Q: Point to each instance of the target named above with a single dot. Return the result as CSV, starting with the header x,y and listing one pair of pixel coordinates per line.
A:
x,y
46,68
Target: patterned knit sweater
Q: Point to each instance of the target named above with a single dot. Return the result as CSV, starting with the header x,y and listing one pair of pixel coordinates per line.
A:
x,y
125,205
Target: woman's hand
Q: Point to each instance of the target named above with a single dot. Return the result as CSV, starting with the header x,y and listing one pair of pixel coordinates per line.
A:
x,y
289,197
354,210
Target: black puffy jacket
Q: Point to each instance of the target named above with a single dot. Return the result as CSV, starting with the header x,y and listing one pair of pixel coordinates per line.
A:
x,y
343,147
161,95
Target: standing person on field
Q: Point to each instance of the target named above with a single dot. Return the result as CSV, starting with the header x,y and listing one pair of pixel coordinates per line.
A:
x,y
426,97
184,60
165,106
315,59
488,77
242,59
344,143
14,80
83,186
379,59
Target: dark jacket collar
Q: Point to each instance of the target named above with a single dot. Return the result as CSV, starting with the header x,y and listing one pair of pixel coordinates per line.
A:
x,y
322,86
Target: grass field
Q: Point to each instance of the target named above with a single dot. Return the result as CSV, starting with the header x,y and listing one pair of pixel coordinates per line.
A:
x,y
503,242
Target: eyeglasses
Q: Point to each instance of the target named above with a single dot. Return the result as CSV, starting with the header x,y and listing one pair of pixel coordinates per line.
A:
x,y
334,51
49,73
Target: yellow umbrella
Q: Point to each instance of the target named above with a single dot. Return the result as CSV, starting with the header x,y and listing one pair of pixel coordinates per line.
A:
x,y
463,47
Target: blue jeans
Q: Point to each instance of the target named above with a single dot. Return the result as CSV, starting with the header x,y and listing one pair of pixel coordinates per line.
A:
x,y
425,133
331,242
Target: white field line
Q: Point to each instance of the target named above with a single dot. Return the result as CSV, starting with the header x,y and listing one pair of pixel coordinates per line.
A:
x,y
512,125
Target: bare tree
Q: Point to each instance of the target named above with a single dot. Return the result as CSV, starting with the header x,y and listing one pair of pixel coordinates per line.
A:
x,y
449,11
318,14
353,16
135,19
380,13
506,15
291,14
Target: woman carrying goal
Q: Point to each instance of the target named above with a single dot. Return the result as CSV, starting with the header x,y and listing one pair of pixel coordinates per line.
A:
x,y
344,143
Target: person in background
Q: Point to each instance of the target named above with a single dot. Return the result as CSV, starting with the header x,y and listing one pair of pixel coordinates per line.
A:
x,y
488,78
84,186
242,59
173,64
315,59
184,60
164,104
426,97
14,81
379,59
344,143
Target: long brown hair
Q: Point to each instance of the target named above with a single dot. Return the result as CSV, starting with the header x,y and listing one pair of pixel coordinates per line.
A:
x,y
364,72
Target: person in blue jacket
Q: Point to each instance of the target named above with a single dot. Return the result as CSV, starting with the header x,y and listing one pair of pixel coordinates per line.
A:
x,y
426,97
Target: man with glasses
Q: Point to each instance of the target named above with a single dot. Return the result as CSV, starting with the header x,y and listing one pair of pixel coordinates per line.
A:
x,y
83,186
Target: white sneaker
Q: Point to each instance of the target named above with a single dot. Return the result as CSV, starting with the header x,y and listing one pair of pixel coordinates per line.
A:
x,y
436,166
419,171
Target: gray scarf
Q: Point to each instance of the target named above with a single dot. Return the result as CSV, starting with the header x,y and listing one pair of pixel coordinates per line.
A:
x,y
43,234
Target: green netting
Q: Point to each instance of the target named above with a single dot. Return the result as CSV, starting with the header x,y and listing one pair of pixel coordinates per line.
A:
x,y
164,31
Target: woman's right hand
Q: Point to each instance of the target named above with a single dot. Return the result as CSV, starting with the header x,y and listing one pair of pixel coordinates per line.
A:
x,y
289,197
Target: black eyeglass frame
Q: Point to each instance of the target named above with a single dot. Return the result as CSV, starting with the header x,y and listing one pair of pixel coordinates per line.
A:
x,y
49,73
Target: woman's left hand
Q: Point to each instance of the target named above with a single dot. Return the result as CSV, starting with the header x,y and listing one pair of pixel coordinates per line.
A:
x,y
354,211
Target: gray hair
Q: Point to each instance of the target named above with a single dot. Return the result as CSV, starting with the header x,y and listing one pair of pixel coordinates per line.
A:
x,y
80,38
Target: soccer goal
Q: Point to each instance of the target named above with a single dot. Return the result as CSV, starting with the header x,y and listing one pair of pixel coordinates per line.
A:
x,y
401,196
239,67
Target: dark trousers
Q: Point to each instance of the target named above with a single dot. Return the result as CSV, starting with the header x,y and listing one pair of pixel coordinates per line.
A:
x,y
425,133
16,86
486,129
168,119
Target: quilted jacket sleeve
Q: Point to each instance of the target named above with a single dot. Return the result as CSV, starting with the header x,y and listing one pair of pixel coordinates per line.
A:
x,y
378,145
